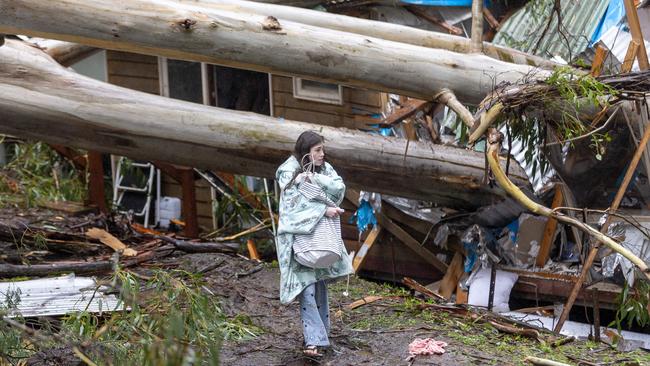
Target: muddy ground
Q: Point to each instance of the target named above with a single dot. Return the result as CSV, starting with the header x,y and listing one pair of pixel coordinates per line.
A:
x,y
373,334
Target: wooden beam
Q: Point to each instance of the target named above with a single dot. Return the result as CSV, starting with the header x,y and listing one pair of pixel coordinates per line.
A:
x,y
637,35
188,208
78,160
409,108
409,128
96,194
599,60
630,56
461,295
252,250
477,27
360,257
594,250
417,11
450,280
492,21
411,243
169,169
549,230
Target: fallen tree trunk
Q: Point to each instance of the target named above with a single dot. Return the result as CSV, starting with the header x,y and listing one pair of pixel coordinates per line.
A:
x,y
12,270
383,30
200,33
39,99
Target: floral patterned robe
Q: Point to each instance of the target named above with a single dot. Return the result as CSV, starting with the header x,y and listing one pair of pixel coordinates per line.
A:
x,y
298,215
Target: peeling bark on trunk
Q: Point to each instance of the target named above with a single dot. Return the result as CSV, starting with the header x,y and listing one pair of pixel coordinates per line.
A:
x,y
42,100
200,33
383,30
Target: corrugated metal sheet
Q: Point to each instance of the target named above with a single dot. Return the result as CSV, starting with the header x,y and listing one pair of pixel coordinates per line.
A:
x,y
54,296
580,19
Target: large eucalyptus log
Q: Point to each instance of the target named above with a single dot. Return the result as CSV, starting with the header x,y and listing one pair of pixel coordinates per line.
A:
x,y
40,99
383,30
250,41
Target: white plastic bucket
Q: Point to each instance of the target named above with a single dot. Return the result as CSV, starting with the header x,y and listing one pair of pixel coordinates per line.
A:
x,y
170,208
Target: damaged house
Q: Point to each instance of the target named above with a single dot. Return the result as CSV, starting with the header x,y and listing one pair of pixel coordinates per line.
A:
x,y
471,151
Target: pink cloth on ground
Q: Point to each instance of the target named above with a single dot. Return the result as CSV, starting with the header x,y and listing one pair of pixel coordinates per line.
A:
x,y
426,346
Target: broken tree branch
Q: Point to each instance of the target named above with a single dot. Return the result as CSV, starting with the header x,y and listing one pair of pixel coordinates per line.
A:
x,y
421,289
495,138
448,98
195,247
530,333
484,121
544,362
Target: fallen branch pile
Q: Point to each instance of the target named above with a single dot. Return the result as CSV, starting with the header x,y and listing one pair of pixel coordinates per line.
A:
x,y
42,245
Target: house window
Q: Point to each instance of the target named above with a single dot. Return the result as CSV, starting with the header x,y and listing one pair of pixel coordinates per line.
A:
x,y
317,91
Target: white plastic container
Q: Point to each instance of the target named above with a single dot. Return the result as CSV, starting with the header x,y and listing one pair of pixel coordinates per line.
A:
x,y
170,208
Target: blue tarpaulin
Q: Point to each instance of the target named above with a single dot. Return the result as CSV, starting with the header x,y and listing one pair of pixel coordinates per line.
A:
x,y
615,12
461,3
439,2
365,216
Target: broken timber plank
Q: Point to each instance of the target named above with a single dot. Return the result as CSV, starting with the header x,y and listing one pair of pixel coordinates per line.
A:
x,y
453,274
637,35
630,56
111,241
409,108
365,247
96,194
599,60
549,230
421,289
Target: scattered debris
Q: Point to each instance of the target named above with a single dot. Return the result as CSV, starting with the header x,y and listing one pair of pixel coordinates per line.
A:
x,y
55,296
111,241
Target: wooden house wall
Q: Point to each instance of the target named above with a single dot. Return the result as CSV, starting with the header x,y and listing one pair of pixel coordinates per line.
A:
x,y
356,103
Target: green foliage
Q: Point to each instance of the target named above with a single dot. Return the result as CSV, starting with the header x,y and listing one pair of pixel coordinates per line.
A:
x,y
171,319
569,93
38,173
633,308
166,321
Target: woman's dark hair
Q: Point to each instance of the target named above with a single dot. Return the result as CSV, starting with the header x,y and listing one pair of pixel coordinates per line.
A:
x,y
305,142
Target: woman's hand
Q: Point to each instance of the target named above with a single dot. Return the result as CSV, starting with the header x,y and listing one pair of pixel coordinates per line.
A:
x,y
333,211
304,177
